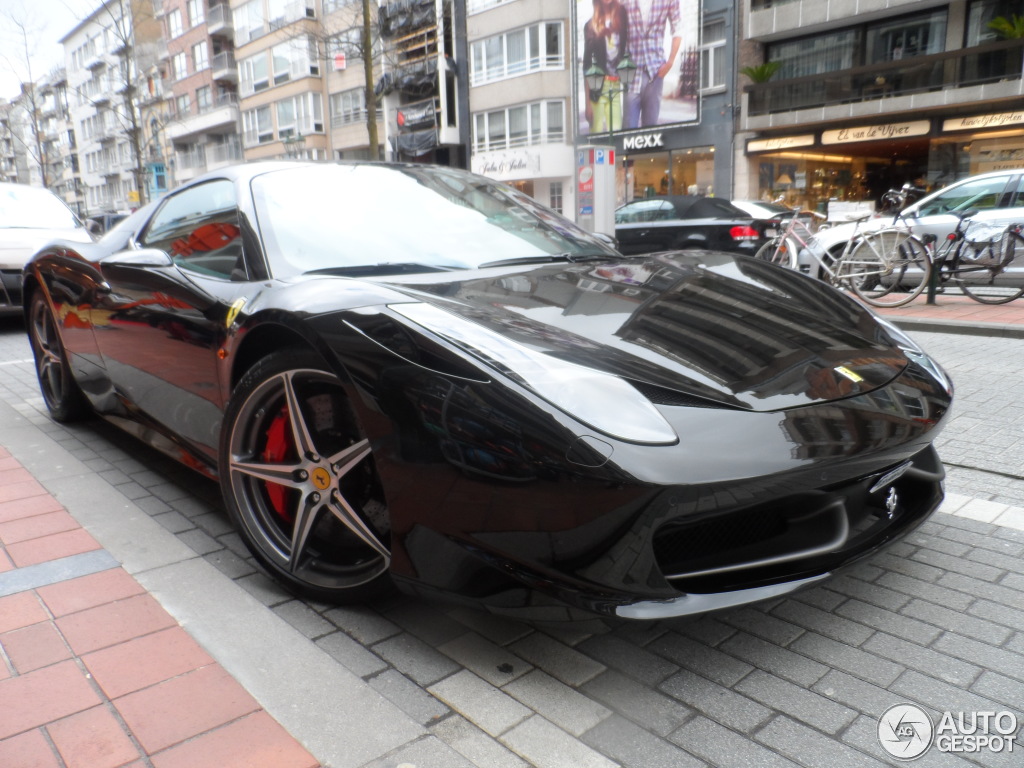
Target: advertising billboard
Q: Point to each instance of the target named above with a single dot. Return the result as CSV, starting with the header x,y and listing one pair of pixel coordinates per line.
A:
x,y
659,41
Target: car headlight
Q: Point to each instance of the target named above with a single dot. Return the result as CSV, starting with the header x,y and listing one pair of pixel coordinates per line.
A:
x,y
599,400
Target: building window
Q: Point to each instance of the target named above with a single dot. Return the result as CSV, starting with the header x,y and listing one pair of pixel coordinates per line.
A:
x,y
294,59
182,105
248,22
256,126
712,56
174,24
555,196
520,126
514,53
179,63
254,74
204,99
195,12
200,57
300,115
348,107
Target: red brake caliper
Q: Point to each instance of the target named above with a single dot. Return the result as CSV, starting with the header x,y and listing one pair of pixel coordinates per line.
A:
x,y
279,446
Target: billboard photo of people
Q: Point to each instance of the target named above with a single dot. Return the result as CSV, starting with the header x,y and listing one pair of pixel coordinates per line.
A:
x,y
660,38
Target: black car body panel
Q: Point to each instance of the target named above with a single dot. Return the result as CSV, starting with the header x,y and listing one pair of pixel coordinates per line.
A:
x,y
804,423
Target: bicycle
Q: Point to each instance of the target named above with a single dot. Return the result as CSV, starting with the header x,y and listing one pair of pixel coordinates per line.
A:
x,y
888,267
988,268
784,248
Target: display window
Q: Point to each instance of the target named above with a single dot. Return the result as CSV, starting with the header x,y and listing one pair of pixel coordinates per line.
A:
x,y
688,171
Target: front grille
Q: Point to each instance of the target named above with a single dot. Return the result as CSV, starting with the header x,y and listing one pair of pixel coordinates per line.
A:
x,y
795,536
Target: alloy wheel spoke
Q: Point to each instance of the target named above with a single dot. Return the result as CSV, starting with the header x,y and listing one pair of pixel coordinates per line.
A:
x,y
342,510
346,460
300,431
281,474
306,514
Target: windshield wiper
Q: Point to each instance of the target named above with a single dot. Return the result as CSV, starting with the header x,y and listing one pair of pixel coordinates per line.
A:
x,y
550,258
387,268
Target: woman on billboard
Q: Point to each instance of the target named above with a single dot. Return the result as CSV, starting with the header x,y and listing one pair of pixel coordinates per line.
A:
x,y
605,42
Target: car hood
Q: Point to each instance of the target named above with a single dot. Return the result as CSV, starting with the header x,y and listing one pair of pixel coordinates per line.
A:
x,y
17,245
696,328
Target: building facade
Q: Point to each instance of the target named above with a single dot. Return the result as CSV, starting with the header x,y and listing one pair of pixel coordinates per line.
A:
x,y
855,102
106,58
200,115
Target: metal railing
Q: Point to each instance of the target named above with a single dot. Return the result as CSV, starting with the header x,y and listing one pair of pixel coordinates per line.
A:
x,y
989,63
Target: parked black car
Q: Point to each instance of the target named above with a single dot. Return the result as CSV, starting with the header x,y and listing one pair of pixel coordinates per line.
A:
x,y
668,223
418,375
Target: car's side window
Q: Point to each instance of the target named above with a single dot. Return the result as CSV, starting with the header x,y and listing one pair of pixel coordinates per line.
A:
x,y
199,229
979,194
644,210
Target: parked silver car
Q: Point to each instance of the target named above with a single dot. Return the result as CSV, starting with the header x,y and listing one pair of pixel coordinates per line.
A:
x,y
997,196
30,217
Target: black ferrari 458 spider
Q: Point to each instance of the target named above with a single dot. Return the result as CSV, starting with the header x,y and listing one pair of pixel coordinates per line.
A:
x,y
415,375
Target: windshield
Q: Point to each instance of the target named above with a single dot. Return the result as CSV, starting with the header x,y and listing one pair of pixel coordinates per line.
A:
x,y
332,217
23,207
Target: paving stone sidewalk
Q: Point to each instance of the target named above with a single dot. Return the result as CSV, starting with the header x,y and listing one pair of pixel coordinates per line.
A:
x,y
937,620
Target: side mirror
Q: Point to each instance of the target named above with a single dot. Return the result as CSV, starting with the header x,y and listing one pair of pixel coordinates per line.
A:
x,y
94,227
144,257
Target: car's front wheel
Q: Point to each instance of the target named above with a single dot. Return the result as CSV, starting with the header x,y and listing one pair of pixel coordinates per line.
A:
x,y
300,482
63,398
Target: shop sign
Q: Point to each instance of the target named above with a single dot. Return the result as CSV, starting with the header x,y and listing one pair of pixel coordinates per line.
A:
x,y
877,132
777,143
983,121
504,163
643,141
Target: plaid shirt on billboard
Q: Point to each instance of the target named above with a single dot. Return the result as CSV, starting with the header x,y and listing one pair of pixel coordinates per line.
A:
x,y
647,41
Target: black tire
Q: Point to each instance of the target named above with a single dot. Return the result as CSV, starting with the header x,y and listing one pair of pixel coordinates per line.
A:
x,y
64,400
887,268
779,251
991,287
305,494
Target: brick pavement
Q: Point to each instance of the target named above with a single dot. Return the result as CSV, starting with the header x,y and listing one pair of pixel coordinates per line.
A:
x,y
937,620
94,673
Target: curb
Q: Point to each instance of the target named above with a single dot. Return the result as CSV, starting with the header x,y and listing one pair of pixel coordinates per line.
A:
x,y
961,327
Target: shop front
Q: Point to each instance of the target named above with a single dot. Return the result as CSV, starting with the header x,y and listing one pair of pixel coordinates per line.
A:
x,y
545,172
848,168
659,163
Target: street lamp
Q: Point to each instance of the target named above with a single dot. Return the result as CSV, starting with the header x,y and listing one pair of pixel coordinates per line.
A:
x,y
595,77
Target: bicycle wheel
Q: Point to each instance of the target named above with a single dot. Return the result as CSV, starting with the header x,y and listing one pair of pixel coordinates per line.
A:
x,y
779,250
1001,283
889,268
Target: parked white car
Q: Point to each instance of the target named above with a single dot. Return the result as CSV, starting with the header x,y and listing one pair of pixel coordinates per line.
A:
x,y
30,217
997,196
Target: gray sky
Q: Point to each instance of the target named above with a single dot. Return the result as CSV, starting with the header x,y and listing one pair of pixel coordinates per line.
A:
x,y
47,21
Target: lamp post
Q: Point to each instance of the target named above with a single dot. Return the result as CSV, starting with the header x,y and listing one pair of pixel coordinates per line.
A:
x,y
595,77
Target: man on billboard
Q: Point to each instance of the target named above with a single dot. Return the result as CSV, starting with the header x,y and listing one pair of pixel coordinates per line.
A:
x,y
647,22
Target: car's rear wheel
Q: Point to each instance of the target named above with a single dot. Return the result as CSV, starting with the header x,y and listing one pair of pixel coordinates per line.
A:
x,y
300,482
63,398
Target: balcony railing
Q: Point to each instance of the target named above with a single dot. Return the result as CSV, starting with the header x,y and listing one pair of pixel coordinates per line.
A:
x,y
194,158
224,153
990,63
223,66
219,20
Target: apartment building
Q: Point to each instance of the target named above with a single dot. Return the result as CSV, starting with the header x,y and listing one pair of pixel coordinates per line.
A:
x,y
106,56
9,141
302,83
856,101
529,100
59,155
201,121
